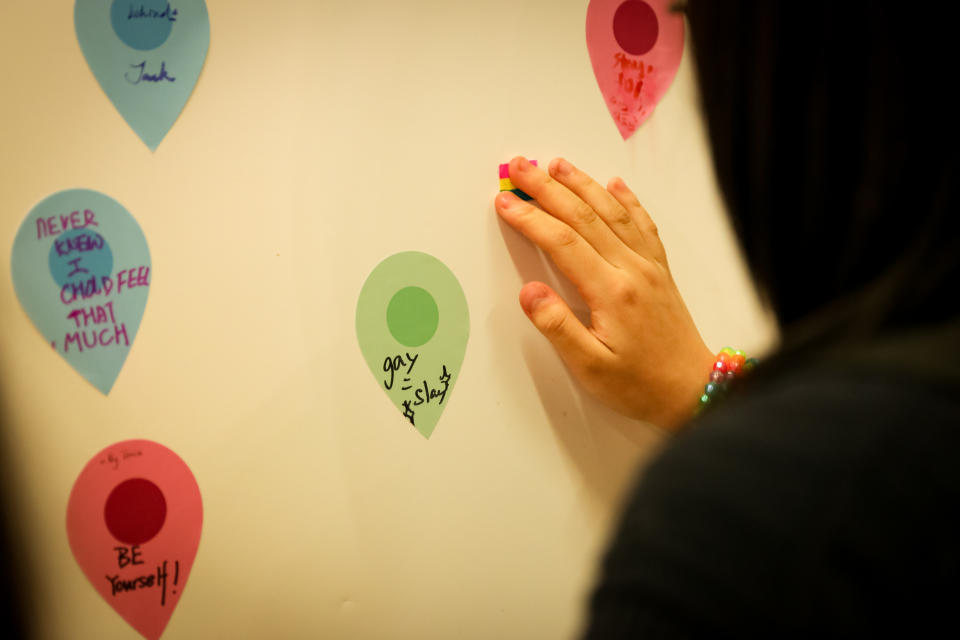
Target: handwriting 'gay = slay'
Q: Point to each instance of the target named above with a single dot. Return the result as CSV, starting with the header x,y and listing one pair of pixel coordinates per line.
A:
x,y
412,327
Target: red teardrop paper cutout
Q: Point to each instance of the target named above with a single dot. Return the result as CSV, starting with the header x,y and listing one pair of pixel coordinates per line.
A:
x,y
635,47
133,521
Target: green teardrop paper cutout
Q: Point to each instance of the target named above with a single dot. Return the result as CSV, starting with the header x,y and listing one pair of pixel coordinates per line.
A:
x,y
412,326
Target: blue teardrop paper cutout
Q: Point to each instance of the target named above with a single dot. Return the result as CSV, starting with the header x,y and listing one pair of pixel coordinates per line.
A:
x,y
147,56
81,269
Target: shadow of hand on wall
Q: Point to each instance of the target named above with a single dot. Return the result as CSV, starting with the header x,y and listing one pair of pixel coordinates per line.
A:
x,y
603,445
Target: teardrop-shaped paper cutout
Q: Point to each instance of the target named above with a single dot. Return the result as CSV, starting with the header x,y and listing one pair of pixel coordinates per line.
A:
x,y
635,47
412,326
133,521
147,56
81,269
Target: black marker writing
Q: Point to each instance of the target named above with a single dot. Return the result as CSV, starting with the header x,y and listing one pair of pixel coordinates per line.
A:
x,y
143,76
143,12
427,393
127,556
394,364
163,576
408,412
424,393
120,585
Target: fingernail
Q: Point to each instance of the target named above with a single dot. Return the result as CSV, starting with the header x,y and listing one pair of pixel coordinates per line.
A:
x,y
505,199
523,164
532,296
563,167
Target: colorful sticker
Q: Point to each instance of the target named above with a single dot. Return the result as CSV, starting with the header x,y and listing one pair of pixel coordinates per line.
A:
x,y
635,47
413,325
133,521
147,56
81,269
506,185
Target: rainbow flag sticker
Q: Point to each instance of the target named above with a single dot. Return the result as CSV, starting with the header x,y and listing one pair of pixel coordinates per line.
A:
x,y
506,185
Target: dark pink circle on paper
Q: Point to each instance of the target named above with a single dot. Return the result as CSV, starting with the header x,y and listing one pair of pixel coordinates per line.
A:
x,y
635,27
135,511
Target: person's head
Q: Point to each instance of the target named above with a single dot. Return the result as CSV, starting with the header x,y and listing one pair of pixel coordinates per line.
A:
x,y
834,138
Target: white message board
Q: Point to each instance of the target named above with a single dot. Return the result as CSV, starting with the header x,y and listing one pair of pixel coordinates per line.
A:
x,y
319,140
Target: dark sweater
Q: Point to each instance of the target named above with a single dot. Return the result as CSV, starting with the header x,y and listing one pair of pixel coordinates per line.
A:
x,y
822,502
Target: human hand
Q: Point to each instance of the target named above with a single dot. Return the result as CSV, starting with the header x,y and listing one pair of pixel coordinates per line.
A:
x,y
642,354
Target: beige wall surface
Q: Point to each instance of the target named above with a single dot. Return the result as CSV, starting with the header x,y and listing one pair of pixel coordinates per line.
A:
x,y
321,138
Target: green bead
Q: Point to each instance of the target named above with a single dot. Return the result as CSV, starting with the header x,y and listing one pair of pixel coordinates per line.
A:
x,y
739,352
727,350
704,399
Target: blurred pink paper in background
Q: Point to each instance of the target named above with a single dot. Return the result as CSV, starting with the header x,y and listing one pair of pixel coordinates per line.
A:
x,y
635,47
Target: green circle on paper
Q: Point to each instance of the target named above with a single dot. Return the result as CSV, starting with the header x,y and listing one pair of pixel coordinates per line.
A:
x,y
412,316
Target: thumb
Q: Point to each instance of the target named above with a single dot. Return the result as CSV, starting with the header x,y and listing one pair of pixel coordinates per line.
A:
x,y
554,319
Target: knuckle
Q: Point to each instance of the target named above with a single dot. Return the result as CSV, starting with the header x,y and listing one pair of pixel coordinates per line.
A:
x,y
552,321
623,218
645,269
565,238
521,216
594,368
654,273
624,293
584,213
580,180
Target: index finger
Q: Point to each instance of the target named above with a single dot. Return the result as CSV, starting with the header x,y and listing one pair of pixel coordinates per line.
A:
x,y
562,203
579,261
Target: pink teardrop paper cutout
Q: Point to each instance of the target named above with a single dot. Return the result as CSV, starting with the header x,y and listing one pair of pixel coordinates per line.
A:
x,y
635,47
133,521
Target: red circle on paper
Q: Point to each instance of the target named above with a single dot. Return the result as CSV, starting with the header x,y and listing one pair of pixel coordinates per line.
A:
x,y
635,27
135,511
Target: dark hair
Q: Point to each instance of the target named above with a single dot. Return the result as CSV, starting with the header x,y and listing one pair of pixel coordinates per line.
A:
x,y
835,144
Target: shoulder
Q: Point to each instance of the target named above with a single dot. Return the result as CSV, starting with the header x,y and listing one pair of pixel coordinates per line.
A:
x,y
809,501
835,421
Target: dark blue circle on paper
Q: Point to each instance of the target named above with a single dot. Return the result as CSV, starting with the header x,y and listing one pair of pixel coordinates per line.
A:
x,y
142,24
78,255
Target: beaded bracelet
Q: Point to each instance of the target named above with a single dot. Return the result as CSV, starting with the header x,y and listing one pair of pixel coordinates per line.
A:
x,y
726,368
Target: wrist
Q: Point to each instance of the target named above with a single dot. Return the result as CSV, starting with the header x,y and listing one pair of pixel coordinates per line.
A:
x,y
675,408
727,367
